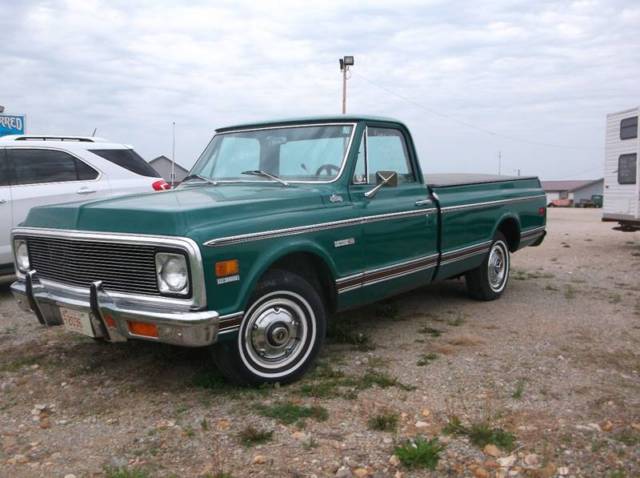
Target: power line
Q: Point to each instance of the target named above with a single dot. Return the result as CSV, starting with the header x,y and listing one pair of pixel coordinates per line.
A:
x,y
468,125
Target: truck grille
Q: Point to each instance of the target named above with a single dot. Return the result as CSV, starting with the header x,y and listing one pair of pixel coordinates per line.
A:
x,y
121,267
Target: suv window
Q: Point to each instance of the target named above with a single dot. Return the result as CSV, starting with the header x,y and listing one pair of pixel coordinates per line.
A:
x,y
33,166
4,169
127,159
627,164
387,151
629,128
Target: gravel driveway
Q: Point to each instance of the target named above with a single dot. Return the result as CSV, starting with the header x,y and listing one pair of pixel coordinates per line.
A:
x,y
543,382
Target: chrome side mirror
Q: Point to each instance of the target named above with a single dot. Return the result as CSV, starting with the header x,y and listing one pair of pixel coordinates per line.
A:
x,y
385,178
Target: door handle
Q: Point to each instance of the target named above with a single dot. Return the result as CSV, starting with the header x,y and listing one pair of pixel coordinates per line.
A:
x,y
85,191
423,202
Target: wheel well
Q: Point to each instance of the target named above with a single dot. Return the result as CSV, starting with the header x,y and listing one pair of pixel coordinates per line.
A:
x,y
312,268
511,231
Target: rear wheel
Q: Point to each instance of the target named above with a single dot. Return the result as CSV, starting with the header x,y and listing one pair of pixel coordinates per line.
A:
x,y
489,280
280,335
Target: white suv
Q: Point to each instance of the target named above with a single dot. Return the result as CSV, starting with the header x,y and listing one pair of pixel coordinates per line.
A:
x,y
38,170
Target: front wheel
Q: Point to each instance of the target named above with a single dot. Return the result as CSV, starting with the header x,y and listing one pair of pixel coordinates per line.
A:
x,y
281,333
489,280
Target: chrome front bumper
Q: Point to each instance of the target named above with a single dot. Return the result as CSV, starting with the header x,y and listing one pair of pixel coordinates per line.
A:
x,y
110,316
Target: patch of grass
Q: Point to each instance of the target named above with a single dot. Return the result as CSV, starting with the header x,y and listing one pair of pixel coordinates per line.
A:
x,y
384,422
342,332
615,298
551,287
18,363
189,432
426,359
457,321
481,434
288,412
517,393
420,453
250,436
387,310
211,380
430,331
569,291
628,437
123,472
381,379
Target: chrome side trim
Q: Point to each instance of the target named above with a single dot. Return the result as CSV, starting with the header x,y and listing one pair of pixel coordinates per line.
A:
x,y
291,231
499,202
533,231
465,253
356,281
199,297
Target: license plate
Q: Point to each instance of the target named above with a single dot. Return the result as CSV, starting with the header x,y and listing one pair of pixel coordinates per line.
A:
x,y
77,321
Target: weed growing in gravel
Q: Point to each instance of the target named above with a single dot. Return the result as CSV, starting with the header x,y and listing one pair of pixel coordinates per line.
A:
x,y
288,413
517,394
569,291
481,434
111,472
214,382
387,310
341,332
615,298
384,422
426,359
250,436
628,437
430,331
420,453
325,382
550,287
458,320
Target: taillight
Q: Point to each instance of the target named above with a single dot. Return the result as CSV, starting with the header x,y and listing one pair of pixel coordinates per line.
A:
x,y
542,211
161,185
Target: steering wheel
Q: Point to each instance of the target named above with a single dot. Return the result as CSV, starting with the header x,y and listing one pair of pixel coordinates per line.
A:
x,y
329,168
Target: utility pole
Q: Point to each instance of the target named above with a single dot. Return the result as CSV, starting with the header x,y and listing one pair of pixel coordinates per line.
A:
x,y
173,155
345,63
499,163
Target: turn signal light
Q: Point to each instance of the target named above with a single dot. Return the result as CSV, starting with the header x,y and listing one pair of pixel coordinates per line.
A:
x,y
109,321
161,185
143,329
227,268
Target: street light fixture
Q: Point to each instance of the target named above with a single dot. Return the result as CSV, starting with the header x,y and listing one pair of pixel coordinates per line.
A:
x,y
345,63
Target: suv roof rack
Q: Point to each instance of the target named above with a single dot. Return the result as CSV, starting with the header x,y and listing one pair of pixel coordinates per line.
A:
x,y
35,137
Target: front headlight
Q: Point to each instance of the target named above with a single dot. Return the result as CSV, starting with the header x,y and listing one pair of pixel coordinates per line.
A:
x,y
172,273
22,255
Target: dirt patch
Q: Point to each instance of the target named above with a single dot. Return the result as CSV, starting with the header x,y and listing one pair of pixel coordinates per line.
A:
x,y
551,372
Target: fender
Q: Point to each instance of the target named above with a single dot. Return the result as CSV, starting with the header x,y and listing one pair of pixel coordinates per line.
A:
x,y
277,252
504,217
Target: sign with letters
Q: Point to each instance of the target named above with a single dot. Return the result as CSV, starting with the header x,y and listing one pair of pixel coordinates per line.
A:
x,y
12,124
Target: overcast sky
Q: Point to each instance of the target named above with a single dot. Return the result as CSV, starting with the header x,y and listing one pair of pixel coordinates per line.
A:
x,y
533,79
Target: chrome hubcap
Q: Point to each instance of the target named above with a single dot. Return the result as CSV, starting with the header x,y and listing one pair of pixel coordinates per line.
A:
x,y
497,266
275,333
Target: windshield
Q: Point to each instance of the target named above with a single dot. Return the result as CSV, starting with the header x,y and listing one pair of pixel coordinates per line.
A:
x,y
297,153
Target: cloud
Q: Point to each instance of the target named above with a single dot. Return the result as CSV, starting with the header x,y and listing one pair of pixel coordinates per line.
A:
x,y
544,72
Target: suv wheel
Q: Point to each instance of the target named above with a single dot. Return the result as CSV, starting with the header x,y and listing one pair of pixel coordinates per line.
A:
x,y
280,335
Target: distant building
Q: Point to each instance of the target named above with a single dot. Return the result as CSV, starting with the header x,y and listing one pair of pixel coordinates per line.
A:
x,y
575,190
162,164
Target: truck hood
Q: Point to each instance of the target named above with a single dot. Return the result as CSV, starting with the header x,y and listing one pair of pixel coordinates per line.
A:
x,y
188,211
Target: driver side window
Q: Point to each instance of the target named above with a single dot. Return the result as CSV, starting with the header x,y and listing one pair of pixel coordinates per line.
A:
x,y
387,151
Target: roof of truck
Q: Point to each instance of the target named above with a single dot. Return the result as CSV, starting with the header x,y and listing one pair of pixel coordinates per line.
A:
x,y
309,120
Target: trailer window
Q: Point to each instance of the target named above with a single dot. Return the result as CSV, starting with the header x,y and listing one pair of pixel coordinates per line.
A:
x,y
629,128
627,168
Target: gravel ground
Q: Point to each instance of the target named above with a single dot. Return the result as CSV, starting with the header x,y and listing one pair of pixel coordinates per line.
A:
x,y
548,376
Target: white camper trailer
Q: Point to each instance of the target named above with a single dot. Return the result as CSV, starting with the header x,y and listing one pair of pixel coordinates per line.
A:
x,y
621,171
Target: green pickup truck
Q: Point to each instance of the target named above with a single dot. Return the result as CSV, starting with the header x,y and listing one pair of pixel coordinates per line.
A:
x,y
278,226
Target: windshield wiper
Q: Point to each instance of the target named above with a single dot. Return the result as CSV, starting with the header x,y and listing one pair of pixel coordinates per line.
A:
x,y
260,172
201,178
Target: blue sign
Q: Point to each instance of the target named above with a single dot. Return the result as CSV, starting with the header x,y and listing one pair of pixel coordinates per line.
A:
x,y
11,124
